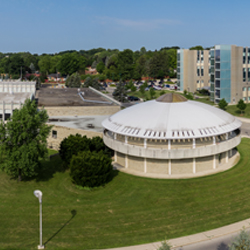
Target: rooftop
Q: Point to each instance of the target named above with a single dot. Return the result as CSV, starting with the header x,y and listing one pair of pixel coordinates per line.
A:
x,y
168,119
70,97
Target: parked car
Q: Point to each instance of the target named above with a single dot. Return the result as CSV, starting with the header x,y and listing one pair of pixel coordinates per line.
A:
x,y
167,86
133,98
157,87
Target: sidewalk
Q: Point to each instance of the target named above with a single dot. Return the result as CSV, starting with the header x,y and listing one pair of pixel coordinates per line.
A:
x,y
191,239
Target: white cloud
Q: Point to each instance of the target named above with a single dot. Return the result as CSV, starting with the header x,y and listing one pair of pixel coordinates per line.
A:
x,y
139,24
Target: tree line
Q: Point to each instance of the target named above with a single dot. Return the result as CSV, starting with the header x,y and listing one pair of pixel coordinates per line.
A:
x,y
110,64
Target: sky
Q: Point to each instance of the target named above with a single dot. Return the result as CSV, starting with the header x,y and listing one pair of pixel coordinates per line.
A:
x,y
51,26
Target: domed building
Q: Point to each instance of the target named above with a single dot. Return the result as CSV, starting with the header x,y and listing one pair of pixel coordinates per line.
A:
x,y
172,137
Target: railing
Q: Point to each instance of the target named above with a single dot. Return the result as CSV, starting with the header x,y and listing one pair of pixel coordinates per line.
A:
x,y
173,153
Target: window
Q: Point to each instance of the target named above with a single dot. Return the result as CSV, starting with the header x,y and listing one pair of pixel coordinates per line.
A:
x,y
244,74
248,98
217,74
244,99
54,134
244,88
202,71
249,89
217,55
198,72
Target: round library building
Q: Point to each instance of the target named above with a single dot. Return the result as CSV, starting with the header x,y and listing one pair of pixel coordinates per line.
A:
x,y
172,137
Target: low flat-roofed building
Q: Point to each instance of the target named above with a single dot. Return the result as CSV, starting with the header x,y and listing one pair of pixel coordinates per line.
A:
x,y
75,110
13,94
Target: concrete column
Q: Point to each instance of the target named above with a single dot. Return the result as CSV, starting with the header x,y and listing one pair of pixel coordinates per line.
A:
x,y
169,144
145,143
115,136
126,161
214,142
11,108
194,145
214,162
226,136
126,139
3,108
115,156
145,165
169,167
194,166
227,157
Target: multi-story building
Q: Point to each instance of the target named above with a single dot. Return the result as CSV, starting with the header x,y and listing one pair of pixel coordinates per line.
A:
x,y
192,69
228,71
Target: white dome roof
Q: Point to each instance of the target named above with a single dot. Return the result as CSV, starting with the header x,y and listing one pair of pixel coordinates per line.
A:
x,y
171,120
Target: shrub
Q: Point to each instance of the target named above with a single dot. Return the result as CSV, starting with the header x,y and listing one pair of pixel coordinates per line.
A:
x,y
164,246
242,241
90,169
97,145
72,145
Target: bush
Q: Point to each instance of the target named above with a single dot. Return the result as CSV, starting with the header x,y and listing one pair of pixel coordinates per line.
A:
x,y
72,145
90,169
242,241
164,246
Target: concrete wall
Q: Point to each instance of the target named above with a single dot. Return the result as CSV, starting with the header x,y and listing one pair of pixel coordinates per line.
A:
x,y
63,132
120,159
82,110
204,164
184,166
157,166
136,163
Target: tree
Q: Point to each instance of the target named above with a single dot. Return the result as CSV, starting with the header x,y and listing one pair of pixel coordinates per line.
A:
x,y
151,93
24,141
241,105
120,93
198,47
72,145
100,67
241,242
73,81
223,104
91,169
94,83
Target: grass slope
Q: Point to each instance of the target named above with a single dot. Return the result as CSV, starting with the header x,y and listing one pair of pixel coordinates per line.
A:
x,y
129,210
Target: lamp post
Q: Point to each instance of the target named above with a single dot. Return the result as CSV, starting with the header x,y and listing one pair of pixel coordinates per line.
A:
x,y
39,195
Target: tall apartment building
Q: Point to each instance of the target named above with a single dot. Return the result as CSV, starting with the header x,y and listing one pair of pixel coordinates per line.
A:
x,y
227,71
192,69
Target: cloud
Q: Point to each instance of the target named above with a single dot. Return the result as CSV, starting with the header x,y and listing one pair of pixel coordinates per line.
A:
x,y
138,24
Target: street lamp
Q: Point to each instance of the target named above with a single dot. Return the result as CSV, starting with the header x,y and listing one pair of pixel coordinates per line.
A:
x,y
39,195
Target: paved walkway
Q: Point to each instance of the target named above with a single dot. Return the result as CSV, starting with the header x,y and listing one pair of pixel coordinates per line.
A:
x,y
191,239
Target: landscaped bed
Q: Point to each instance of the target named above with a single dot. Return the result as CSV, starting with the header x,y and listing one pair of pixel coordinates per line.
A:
x,y
129,210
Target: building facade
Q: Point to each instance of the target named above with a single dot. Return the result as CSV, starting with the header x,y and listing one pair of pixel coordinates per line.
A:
x,y
192,69
173,137
227,71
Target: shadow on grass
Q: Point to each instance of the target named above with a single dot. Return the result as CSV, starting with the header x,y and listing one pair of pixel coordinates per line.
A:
x,y
73,213
49,168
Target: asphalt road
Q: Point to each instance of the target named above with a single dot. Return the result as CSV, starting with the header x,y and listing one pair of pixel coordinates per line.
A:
x,y
221,243
245,129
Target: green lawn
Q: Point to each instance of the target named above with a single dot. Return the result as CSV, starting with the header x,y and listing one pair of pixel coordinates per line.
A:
x,y
232,109
129,210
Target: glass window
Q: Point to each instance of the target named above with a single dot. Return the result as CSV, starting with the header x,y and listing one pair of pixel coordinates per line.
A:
x,y
202,71
217,83
217,55
198,72
248,88
244,99
54,134
248,98
244,88
217,74
217,65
